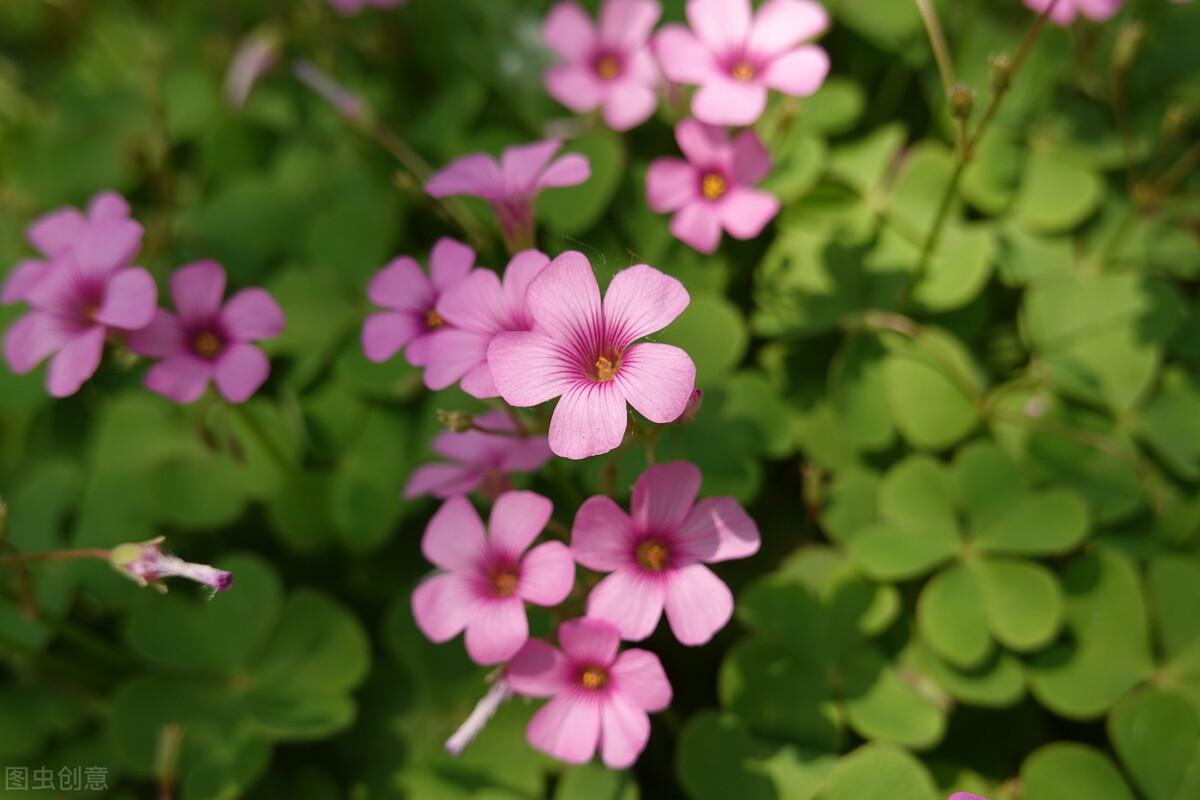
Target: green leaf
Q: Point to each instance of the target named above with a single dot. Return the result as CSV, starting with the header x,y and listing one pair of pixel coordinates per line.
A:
x,y
575,209
995,683
1057,193
917,193
713,333
1170,423
879,770
918,493
1042,523
194,493
1174,586
717,759
834,109
1069,771
987,481
1023,602
858,391
929,384
881,705
597,782
1156,733
863,163
951,617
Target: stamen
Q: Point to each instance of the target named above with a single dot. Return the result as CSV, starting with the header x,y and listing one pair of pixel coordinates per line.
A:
x,y
505,583
207,344
652,555
713,185
742,71
433,319
607,68
604,369
594,678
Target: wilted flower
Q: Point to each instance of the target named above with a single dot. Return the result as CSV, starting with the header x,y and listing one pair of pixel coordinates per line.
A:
x,y
479,459
585,352
146,564
349,7
607,66
1065,11
511,185
489,577
411,318
598,698
208,341
714,187
254,57
657,554
478,308
84,291
735,56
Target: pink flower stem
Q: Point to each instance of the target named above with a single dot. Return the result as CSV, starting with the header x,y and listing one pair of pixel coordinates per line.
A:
x,y
484,710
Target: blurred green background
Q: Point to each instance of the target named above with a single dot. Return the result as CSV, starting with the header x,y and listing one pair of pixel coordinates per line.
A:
x,y
977,490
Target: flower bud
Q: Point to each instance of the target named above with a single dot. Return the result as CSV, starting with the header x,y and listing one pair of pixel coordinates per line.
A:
x,y
1001,72
146,564
962,101
255,56
457,421
692,408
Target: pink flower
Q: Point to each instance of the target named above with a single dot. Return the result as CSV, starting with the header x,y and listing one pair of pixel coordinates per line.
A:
x,y
488,576
585,352
208,341
254,58
609,65
83,293
1065,12
483,459
349,7
511,185
657,555
734,56
478,308
966,796
713,189
411,299
146,564
598,698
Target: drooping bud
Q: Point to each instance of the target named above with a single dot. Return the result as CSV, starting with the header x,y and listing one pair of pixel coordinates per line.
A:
x,y
962,101
254,57
146,564
457,421
692,408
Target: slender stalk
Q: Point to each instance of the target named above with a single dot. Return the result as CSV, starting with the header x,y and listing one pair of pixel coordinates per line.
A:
x,y
166,759
937,40
1177,172
54,555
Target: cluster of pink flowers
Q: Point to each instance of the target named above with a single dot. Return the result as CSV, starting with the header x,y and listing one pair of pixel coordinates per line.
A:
x,y
655,557
84,292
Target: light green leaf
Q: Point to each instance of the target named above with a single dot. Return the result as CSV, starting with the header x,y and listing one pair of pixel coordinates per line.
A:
x,y
951,617
1157,735
1042,523
1069,771
879,770
1057,193
1023,602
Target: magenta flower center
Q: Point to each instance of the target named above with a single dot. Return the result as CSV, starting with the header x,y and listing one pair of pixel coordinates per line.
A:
x,y
207,344
606,366
593,677
434,320
713,185
742,71
607,66
653,555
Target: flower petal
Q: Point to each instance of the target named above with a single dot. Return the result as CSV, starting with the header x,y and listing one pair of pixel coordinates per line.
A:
x,y
129,300
657,380
800,72
629,104
547,574
641,300
385,332
670,184
478,382
497,630
630,601
442,606
401,286
107,205
452,354
664,494
706,146
565,299
476,303
568,31
521,271
698,226
442,480
639,677
744,212
567,728
454,538
589,419
719,529
529,369
516,520
252,314
589,641
22,278
782,24
724,101
163,337
567,170
522,165
107,245
55,232
525,455
182,378
477,174
628,23
575,86
751,160
449,262
75,362
537,670
602,535
240,371
624,732
698,604
32,338
197,290
721,24
683,57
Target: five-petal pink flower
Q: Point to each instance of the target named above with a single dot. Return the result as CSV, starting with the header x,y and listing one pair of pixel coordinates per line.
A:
x,y
1065,12
734,56
714,187
586,352
479,459
477,309
511,185
410,299
608,66
488,577
207,341
598,698
657,555
84,291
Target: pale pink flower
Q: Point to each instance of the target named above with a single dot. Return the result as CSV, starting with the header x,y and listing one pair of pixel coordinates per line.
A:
x,y
1066,11
479,459
147,565
714,187
599,698
585,352
411,299
478,308
966,796
735,56
511,185
607,65
207,341
84,292
488,577
349,7
254,58
656,556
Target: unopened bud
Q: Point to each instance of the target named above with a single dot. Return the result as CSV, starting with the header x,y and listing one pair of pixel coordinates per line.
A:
x,y
692,408
1001,72
254,57
146,564
962,101
1128,43
457,421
